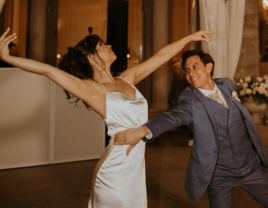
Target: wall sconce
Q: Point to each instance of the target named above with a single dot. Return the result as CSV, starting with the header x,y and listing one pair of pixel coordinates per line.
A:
x,y
128,53
265,4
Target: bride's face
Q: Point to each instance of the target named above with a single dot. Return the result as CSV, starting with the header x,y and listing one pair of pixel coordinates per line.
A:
x,y
105,52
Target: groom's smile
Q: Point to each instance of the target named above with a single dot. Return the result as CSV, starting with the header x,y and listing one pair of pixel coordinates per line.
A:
x,y
197,74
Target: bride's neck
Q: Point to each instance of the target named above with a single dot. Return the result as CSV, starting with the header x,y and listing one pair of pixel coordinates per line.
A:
x,y
104,77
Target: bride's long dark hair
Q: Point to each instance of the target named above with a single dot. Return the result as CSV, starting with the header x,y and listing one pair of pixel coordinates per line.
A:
x,y
75,61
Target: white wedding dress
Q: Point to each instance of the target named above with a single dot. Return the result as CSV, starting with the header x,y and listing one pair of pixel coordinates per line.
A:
x,y
118,179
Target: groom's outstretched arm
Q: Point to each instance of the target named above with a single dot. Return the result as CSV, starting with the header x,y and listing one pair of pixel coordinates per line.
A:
x,y
180,115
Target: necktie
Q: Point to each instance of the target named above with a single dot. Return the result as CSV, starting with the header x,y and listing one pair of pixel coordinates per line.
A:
x,y
215,96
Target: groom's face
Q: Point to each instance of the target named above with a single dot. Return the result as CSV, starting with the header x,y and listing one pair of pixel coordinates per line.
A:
x,y
197,74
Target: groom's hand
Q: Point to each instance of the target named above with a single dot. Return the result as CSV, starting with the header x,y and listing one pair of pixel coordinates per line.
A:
x,y
130,136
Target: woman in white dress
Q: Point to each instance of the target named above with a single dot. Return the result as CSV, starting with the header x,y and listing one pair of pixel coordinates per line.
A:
x,y
118,179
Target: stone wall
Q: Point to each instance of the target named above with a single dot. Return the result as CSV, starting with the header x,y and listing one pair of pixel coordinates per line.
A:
x,y
249,60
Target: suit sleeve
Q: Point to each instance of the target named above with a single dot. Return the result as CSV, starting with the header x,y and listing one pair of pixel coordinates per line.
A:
x,y
180,115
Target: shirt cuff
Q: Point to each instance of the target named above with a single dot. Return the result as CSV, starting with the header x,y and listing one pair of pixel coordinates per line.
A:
x,y
149,136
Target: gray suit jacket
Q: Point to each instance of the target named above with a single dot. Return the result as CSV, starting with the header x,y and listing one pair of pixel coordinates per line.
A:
x,y
194,110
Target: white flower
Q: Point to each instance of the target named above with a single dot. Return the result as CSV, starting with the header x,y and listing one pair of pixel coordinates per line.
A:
x,y
262,84
261,90
244,85
234,94
238,84
241,81
248,79
259,79
248,91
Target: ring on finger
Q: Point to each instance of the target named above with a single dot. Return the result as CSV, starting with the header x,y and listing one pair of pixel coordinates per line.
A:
x,y
5,40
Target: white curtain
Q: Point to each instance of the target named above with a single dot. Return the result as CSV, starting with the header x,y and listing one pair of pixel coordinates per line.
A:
x,y
226,20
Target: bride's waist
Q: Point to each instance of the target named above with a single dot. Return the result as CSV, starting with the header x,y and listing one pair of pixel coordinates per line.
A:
x,y
112,130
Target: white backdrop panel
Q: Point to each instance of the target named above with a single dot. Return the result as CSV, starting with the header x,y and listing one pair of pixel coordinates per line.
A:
x,y
79,133
38,126
25,119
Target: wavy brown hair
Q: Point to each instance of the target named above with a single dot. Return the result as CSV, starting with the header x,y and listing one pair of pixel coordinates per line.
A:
x,y
75,61
205,58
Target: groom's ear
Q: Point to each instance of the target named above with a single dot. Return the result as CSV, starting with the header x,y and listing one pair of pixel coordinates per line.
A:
x,y
209,67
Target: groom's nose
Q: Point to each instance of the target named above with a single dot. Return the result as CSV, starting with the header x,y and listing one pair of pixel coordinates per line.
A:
x,y
190,72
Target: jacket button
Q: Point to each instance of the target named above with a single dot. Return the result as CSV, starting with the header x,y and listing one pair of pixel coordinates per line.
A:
x,y
245,141
242,132
231,139
236,158
233,148
211,171
240,122
247,150
215,152
228,129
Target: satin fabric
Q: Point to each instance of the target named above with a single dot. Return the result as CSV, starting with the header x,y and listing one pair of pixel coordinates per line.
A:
x,y
118,179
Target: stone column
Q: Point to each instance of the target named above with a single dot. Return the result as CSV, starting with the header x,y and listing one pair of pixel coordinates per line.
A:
x,y
160,39
249,60
37,30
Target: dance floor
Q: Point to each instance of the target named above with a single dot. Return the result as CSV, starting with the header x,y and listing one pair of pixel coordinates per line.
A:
x,y
68,185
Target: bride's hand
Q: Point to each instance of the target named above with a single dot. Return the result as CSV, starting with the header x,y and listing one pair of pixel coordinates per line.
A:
x,y
201,36
96,62
130,136
4,41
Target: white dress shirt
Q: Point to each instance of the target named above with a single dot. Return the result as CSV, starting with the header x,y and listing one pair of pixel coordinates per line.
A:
x,y
208,92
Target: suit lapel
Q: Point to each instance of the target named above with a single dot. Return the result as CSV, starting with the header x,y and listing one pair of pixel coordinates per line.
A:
x,y
227,94
203,99
245,114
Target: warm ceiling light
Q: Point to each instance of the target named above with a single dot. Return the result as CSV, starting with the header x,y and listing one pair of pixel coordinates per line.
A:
x,y
265,4
58,56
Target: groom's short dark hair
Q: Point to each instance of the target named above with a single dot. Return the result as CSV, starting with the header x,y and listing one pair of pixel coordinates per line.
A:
x,y
205,58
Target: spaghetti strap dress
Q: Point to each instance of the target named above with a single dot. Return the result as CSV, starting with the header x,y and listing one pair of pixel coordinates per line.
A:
x,y
119,180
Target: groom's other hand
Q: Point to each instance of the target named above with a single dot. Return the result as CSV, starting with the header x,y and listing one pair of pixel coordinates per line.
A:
x,y
130,136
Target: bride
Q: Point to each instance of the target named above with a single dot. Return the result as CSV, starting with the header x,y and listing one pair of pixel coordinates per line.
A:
x,y
118,179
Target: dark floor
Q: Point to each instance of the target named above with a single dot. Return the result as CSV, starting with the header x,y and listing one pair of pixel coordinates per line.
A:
x,y
68,185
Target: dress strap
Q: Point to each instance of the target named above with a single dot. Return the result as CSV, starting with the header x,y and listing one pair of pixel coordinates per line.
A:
x,y
126,81
103,88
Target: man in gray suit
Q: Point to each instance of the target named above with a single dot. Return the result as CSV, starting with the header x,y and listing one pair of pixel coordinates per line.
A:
x,y
227,150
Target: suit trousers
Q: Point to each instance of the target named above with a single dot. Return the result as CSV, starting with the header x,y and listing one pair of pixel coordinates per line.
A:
x,y
253,178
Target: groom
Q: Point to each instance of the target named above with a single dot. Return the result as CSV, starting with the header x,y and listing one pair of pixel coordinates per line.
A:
x,y
227,150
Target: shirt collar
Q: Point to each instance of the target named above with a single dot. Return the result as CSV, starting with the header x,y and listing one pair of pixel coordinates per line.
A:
x,y
208,92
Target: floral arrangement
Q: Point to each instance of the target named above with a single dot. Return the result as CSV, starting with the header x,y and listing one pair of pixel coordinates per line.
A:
x,y
254,88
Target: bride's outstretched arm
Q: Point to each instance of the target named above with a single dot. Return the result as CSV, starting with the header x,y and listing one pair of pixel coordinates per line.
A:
x,y
142,70
84,90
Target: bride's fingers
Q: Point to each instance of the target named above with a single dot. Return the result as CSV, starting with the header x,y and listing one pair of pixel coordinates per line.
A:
x,y
130,148
119,143
11,37
4,34
208,32
205,36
